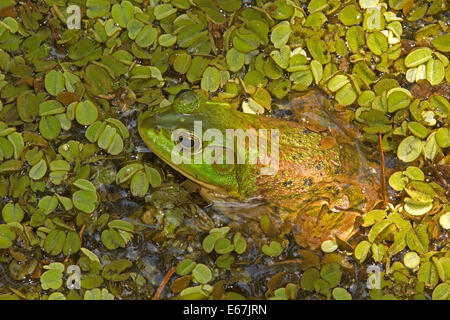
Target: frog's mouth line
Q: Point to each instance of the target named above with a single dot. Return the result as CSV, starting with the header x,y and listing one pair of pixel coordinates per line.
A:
x,y
185,174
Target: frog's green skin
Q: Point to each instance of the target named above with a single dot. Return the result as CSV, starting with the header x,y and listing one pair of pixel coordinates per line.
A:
x,y
320,191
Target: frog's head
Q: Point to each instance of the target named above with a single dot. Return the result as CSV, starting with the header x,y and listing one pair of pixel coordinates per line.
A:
x,y
181,135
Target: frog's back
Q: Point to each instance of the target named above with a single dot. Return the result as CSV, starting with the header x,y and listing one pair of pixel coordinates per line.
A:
x,y
309,161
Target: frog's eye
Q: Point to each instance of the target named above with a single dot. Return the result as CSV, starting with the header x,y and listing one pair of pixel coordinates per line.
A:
x,y
189,141
186,101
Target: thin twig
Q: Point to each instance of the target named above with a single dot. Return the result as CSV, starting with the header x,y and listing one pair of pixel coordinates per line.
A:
x,y
55,32
81,231
382,172
164,282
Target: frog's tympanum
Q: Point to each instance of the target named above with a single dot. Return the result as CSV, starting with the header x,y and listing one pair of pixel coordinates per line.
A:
x,y
311,173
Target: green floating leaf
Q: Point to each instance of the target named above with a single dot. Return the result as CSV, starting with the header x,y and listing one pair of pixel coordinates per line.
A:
x,y
418,129
372,217
441,292
308,279
106,137
377,43
225,261
350,15
435,71
317,71
97,8
54,242
84,200
329,246
121,225
398,181
443,137
50,107
116,145
246,41
331,272
223,246
84,184
444,221
92,256
7,236
86,113
72,243
417,208
442,42
17,142
114,270
56,296
411,260
280,34
240,244
317,5
12,213
202,273
122,13
355,38
97,294
162,11
318,50
185,267
39,170
48,204
54,82
51,279
167,40
196,293
272,250
428,274
146,36
417,57
409,149
210,240
127,172
111,239
417,239
398,100
210,80
346,95
315,20
235,59
154,176
49,127
341,294
134,26
378,229
255,78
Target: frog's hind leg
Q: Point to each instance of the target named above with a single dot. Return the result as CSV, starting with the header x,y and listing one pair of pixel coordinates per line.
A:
x,y
317,223
247,214
329,213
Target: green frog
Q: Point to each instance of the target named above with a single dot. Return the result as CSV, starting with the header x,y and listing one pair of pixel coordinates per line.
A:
x,y
309,175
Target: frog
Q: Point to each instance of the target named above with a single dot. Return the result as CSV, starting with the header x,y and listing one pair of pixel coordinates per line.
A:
x,y
309,176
